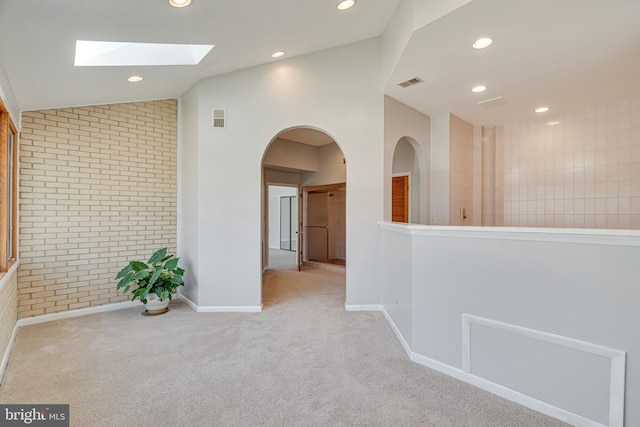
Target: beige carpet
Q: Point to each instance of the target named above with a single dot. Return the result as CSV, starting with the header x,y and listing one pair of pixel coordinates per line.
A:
x,y
303,361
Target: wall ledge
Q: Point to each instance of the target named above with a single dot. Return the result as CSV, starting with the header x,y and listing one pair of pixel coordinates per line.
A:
x,y
558,235
5,278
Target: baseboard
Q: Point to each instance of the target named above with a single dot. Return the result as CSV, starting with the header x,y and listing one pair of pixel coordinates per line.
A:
x,y
363,307
7,353
399,335
229,309
506,393
220,309
192,305
77,313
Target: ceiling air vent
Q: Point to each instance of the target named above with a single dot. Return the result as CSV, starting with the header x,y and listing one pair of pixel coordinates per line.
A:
x,y
410,82
219,118
493,102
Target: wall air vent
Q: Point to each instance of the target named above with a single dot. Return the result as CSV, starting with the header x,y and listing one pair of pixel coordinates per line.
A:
x,y
410,82
219,118
493,102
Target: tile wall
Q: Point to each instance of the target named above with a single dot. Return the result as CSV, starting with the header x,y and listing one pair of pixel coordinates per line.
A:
x,y
574,170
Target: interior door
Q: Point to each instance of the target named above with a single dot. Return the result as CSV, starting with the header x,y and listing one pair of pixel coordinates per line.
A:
x,y
337,224
317,227
400,198
285,223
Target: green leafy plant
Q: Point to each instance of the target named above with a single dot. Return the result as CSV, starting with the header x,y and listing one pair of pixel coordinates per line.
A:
x,y
160,275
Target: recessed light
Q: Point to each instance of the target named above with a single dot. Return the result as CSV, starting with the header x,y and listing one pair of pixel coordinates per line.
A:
x,y
542,109
179,3
135,79
346,4
277,54
482,42
480,88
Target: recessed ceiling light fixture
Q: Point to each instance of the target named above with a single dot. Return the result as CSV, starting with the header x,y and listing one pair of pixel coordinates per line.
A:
x,y
542,109
179,3
480,88
346,4
278,54
135,79
483,42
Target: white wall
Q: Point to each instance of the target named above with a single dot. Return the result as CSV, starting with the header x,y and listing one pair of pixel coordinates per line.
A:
x,y
440,168
8,97
311,90
275,192
289,154
401,121
189,185
331,170
573,286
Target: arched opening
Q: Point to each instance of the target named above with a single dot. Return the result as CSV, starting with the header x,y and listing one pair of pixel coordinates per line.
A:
x,y
304,185
409,183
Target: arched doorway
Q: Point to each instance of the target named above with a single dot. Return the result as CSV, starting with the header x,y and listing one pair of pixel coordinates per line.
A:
x,y
409,183
311,162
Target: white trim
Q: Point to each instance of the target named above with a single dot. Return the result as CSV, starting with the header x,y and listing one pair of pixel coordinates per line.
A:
x,y
229,309
7,353
403,342
192,305
363,307
221,308
179,177
617,357
77,313
512,395
560,235
499,390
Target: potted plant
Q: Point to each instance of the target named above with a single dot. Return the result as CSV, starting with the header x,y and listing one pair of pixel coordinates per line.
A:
x,y
152,282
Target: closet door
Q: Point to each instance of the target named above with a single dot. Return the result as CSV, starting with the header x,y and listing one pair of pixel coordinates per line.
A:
x,y
337,224
317,228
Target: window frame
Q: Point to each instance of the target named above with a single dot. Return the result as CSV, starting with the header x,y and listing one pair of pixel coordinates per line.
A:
x,y
9,191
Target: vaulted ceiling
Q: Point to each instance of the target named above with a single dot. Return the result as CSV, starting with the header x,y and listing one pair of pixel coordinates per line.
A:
x,y
567,54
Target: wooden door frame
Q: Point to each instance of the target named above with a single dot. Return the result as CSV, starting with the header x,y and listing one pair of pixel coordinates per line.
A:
x,y
408,175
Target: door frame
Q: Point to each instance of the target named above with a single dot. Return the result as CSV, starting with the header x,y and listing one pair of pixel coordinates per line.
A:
x,y
298,222
315,189
408,175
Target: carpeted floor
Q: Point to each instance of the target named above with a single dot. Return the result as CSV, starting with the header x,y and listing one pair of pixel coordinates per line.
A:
x,y
303,361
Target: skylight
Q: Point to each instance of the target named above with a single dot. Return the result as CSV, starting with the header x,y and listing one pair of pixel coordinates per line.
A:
x,y
109,54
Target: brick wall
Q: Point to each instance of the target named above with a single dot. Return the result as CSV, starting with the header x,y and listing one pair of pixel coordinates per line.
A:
x,y
97,188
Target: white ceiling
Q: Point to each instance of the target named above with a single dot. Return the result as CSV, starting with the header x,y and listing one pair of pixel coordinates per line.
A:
x,y
37,41
568,54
